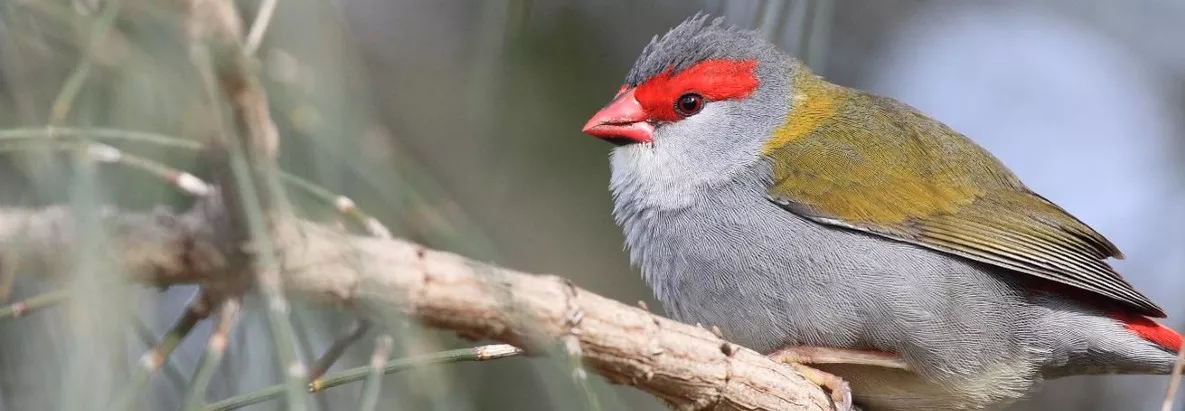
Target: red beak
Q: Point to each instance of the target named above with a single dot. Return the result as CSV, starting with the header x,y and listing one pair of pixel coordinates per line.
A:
x,y
621,122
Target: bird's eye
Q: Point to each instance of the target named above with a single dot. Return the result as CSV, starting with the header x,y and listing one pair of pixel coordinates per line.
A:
x,y
689,104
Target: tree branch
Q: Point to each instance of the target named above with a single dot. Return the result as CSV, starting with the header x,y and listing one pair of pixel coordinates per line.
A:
x,y
244,162
687,366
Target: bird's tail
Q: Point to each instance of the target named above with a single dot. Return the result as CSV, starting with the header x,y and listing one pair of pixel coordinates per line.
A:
x,y
1162,337
1116,342
1154,332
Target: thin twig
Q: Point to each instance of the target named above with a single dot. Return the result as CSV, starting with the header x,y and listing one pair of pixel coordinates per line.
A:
x,y
103,24
357,329
170,368
483,353
304,343
373,385
62,104
51,298
182,180
8,274
267,278
215,348
347,207
34,135
186,182
20,308
263,18
99,133
248,176
83,187
197,309
1175,381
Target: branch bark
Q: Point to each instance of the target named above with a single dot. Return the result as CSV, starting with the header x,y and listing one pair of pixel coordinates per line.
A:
x,y
686,366
244,162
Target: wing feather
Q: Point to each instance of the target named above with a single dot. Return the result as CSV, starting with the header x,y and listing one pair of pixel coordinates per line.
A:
x,y
930,186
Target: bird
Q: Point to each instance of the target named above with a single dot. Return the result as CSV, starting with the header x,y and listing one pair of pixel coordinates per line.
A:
x,y
886,256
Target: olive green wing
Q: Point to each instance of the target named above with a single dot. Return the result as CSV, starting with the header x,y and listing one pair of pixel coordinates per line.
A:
x,y
909,178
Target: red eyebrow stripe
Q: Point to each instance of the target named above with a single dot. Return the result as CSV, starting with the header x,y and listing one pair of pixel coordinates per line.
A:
x,y
715,79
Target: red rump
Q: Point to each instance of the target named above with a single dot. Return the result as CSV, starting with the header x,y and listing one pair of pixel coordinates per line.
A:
x,y
1139,325
714,79
1149,330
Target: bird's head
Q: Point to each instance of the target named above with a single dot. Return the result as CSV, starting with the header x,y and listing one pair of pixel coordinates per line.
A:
x,y
695,108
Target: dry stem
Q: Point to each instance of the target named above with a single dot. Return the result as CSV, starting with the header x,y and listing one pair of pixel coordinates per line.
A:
x,y
688,367
685,365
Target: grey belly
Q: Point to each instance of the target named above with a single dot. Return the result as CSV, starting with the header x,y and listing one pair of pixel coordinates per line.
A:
x,y
769,279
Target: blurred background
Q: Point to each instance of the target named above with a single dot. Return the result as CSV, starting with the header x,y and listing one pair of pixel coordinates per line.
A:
x,y
457,123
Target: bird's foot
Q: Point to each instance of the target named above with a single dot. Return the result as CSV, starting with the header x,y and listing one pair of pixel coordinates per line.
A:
x,y
841,392
828,355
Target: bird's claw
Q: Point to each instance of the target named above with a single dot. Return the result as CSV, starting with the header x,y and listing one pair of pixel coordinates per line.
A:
x,y
841,392
841,396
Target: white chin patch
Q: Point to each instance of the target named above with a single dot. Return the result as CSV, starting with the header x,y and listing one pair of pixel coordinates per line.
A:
x,y
644,177
634,158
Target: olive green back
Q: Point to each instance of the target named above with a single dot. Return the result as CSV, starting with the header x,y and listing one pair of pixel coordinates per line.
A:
x,y
870,163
